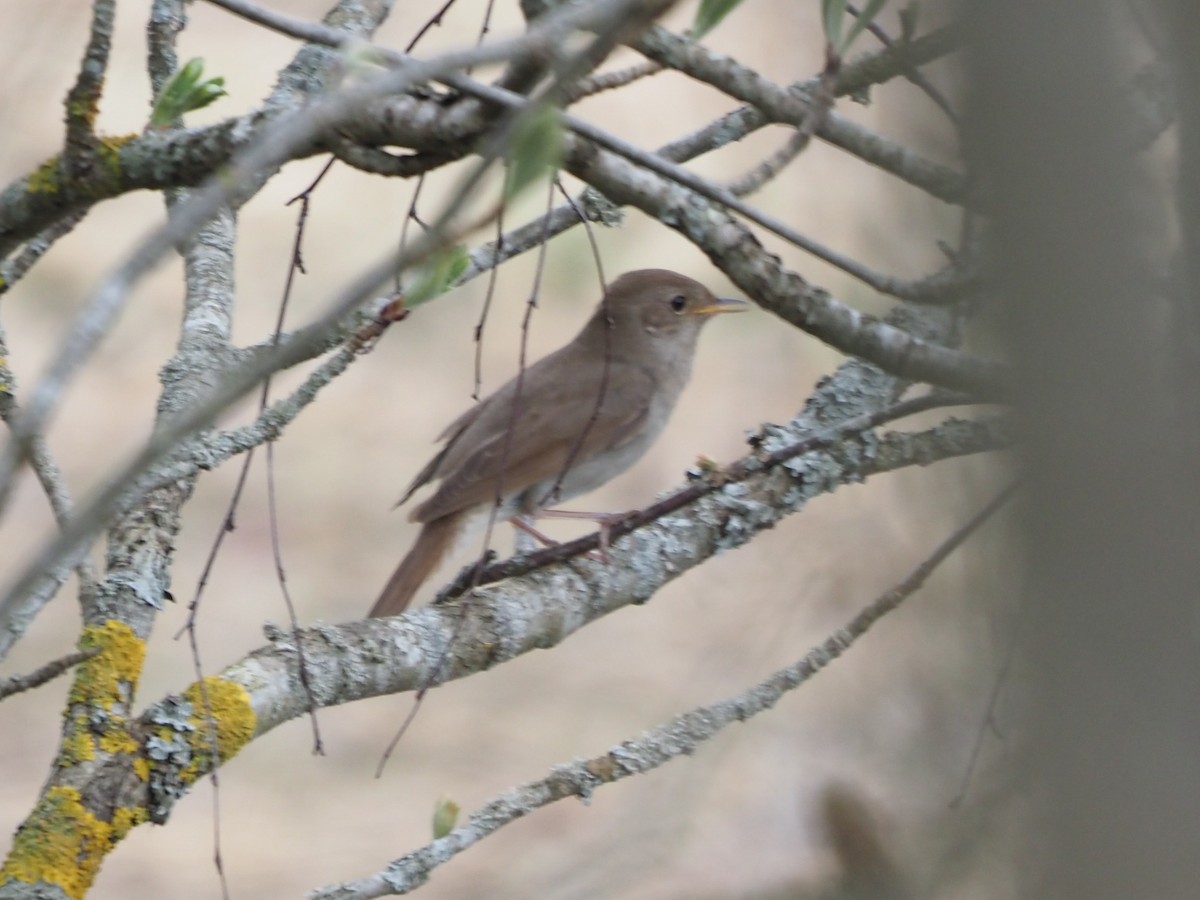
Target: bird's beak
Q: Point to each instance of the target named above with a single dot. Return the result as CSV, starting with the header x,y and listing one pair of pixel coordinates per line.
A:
x,y
722,305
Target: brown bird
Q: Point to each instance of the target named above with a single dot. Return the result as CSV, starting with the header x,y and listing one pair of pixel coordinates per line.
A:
x,y
574,420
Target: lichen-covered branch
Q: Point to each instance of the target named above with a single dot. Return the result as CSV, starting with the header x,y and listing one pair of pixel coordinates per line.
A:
x,y
100,742
83,100
172,748
146,765
682,736
443,642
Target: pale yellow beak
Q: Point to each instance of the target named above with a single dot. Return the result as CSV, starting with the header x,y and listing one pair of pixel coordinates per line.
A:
x,y
723,305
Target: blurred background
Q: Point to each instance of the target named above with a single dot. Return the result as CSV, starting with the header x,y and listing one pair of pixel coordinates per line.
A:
x,y
894,722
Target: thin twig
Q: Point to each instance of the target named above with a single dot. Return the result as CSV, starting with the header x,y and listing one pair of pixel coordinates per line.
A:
x,y
83,99
214,747
609,81
45,469
19,263
593,244
822,98
434,20
488,295
485,554
552,495
410,216
988,720
295,265
485,28
15,684
911,72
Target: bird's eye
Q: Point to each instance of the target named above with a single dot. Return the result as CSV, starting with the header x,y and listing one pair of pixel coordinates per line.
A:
x,y
678,302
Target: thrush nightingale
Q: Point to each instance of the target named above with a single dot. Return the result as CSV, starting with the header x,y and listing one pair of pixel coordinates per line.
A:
x,y
568,424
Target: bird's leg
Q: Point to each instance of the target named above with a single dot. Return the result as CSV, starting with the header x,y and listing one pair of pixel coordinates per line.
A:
x,y
604,523
528,534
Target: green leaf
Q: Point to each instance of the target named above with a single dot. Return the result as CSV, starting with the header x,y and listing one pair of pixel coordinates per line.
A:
x,y
445,814
185,91
865,17
833,12
709,16
438,276
536,149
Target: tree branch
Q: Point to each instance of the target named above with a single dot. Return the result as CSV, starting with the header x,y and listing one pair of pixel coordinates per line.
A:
x,y
734,249
16,684
681,736
83,100
444,642
792,106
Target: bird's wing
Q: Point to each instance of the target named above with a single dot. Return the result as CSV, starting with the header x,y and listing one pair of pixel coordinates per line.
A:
x,y
450,435
545,437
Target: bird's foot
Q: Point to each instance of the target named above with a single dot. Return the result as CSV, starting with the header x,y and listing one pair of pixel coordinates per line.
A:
x,y
605,521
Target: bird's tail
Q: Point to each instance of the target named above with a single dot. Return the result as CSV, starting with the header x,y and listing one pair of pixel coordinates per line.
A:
x,y
436,539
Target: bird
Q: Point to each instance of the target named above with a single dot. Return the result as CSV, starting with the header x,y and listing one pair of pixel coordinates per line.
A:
x,y
566,425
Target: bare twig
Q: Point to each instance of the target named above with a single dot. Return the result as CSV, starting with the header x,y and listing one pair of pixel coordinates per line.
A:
x,y
485,553
295,265
14,268
911,72
988,720
610,81
432,21
822,98
83,100
44,467
15,684
488,295
552,495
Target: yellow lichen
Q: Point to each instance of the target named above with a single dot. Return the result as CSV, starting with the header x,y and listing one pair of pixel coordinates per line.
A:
x,y
115,142
45,178
86,109
108,150
78,745
118,740
231,715
101,691
126,818
62,843
141,768
110,677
